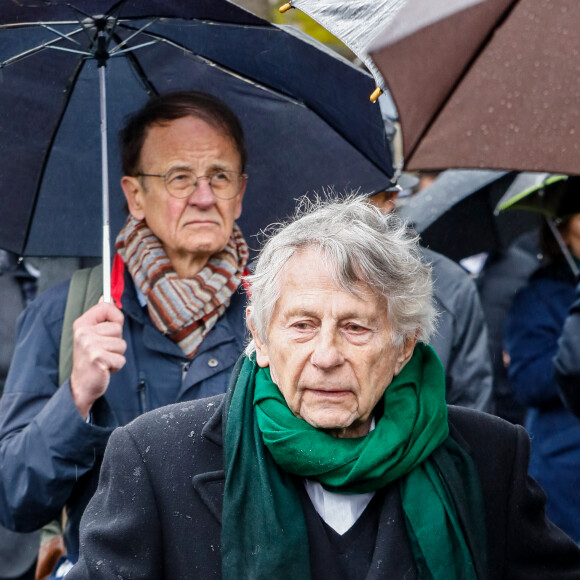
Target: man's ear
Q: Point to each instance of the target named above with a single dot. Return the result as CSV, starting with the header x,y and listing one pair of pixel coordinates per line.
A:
x,y
240,198
405,353
134,195
261,349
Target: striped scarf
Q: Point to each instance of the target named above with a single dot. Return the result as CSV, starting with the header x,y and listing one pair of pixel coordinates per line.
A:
x,y
185,309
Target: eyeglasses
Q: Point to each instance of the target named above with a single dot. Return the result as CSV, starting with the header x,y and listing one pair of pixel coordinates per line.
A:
x,y
181,183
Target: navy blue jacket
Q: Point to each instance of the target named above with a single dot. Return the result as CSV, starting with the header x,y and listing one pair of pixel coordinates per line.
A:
x,y
532,330
49,455
567,360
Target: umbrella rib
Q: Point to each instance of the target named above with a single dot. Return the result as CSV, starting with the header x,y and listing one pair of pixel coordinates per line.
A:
x,y
132,48
62,49
124,42
59,33
34,50
460,78
136,66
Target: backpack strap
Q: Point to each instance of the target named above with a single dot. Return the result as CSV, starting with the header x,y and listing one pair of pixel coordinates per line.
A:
x,y
85,290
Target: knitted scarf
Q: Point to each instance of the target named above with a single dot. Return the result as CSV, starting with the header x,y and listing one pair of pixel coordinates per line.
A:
x,y
265,446
185,309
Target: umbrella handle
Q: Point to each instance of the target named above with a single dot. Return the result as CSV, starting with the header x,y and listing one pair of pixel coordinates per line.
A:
x,y
564,249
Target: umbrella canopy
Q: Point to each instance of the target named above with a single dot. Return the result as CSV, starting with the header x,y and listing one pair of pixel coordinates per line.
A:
x,y
491,84
308,123
556,196
455,215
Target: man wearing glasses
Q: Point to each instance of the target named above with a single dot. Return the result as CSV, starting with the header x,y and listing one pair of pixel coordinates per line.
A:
x,y
173,334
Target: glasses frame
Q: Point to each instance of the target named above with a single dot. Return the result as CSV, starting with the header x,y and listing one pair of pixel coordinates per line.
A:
x,y
243,176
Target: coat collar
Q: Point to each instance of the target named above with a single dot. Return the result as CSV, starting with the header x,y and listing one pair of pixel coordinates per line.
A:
x,y
210,485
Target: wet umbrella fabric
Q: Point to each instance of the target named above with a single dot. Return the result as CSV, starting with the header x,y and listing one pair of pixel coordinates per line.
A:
x,y
455,215
491,84
308,123
352,22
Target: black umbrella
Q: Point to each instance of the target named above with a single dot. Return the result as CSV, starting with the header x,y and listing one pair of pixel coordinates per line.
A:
x,y
456,214
306,114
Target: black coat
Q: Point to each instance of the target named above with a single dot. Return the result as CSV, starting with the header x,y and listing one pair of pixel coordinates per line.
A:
x,y
157,511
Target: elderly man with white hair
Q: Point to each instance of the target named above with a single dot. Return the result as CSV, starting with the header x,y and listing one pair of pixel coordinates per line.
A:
x,y
333,454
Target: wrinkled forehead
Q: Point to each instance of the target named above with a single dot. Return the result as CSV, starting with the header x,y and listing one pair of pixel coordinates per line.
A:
x,y
311,265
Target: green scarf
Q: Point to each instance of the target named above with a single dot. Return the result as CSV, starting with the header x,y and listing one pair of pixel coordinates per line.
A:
x,y
266,446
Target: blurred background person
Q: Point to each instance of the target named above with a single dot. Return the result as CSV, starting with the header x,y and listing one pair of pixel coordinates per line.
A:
x,y
532,330
460,339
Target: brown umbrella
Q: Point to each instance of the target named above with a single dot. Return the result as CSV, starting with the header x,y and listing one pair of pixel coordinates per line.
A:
x,y
492,84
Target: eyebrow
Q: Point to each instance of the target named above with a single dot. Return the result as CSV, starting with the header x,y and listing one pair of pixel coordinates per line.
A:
x,y
212,168
343,316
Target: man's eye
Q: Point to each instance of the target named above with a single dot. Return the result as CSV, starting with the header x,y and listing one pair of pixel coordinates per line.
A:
x,y
220,178
177,178
302,325
355,328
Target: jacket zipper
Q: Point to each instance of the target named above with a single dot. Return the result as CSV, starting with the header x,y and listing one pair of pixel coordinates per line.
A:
x,y
141,388
184,368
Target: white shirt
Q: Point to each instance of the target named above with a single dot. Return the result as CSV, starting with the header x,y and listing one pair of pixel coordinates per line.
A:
x,y
339,510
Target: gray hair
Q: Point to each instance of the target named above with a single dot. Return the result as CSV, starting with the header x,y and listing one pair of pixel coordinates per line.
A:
x,y
358,243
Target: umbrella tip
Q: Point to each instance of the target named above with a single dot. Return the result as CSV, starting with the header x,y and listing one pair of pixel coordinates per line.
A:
x,y
375,95
285,7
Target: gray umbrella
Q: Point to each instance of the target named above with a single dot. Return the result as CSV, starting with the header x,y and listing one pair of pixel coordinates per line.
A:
x,y
352,22
456,214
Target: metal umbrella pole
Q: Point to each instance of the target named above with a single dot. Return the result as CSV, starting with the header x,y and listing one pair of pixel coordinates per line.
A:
x,y
563,248
102,56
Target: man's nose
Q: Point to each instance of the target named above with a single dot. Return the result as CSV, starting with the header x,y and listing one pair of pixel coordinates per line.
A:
x,y
327,352
203,195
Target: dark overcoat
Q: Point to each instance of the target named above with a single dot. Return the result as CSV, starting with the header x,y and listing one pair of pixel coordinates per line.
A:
x,y
157,510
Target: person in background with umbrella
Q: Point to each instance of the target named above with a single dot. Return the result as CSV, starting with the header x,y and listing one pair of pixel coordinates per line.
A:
x,y
333,454
533,328
173,334
461,336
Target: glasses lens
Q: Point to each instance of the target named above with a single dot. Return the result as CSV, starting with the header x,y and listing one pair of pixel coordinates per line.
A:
x,y
224,184
180,182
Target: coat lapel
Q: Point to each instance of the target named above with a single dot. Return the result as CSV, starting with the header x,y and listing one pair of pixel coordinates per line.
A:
x,y
462,499
210,485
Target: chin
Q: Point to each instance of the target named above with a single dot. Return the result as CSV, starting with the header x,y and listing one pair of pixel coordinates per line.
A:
x,y
329,422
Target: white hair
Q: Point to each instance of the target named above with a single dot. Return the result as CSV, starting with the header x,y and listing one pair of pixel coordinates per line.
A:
x,y
357,243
